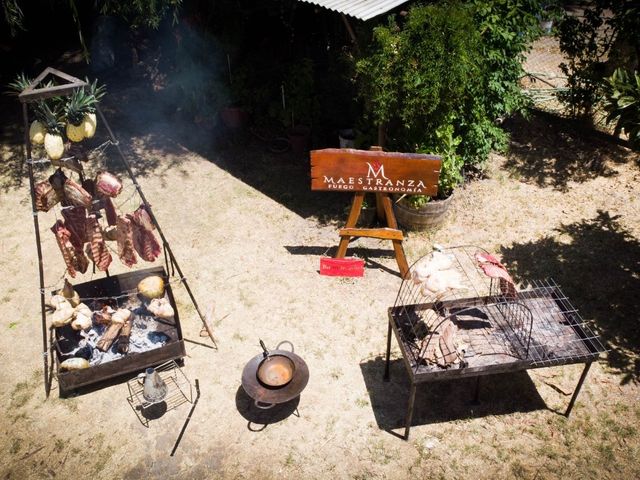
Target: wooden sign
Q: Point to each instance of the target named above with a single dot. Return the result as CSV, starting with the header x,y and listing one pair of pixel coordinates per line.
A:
x,y
342,267
350,170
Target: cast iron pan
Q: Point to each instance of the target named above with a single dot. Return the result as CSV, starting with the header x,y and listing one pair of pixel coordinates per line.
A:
x,y
275,370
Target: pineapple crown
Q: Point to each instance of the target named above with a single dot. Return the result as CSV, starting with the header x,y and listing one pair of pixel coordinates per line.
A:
x,y
19,84
50,117
96,91
78,105
83,101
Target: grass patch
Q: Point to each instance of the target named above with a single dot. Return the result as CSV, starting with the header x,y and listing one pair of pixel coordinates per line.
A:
x,y
104,458
59,445
16,444
21,394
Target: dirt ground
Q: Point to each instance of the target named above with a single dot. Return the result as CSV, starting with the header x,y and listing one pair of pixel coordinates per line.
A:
x,y
249,234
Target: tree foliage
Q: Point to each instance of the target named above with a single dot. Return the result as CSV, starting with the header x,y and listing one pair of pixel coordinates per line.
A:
x,y
605,36
622,103
447,72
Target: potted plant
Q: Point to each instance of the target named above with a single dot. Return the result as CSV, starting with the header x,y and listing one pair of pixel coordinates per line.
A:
x,y
235,114
298,104
420,212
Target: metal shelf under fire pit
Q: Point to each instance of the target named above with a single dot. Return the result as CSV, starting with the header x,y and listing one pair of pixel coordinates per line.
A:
x,y
179,392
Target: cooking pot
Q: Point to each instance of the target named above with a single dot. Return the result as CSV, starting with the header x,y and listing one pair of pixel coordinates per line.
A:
x,y
276,368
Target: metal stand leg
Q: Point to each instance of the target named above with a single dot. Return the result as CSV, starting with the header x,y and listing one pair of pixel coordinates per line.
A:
x,y
386,367
587,366
412,399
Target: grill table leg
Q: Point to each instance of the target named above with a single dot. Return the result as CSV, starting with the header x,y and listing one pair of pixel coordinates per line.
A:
x,y
386,367
587,366
412,398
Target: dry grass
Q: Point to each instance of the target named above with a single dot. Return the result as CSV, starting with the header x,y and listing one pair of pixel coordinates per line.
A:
x,y
248,235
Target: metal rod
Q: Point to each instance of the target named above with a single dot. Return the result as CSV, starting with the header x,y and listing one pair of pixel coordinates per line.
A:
x,y
155,222
36,226
412,399
587,366
352,34
186,422
386,367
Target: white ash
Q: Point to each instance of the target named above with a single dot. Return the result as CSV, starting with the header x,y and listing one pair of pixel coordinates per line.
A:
x,y
146,334
144,337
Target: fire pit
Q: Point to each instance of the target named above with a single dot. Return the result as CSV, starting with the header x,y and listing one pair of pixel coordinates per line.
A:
x,y
152,340
275,376
458,314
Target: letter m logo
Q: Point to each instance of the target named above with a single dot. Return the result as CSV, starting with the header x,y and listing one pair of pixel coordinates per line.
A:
x,y
375,169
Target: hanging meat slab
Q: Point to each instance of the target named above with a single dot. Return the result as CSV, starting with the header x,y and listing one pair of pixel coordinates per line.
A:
x,y
108,184
110,211
46,196
99,251
124,237
75,219
74,259
143,218
75,195
144,241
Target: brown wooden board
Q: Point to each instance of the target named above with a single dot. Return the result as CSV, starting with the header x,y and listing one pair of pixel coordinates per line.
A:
x,y
350,170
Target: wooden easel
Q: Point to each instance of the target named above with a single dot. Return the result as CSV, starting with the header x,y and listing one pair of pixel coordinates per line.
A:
x,y
384,209
346,163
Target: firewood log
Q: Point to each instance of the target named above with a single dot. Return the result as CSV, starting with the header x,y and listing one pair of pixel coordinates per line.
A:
x,y
125,333
109,336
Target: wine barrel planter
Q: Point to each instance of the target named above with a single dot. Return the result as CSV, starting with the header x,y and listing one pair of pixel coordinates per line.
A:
x,y
431,215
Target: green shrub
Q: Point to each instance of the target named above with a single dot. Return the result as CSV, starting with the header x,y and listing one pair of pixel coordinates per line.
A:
x,y
622,103
604,37
446,66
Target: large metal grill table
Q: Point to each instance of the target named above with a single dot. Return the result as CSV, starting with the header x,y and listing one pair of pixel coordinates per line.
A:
x,y
500,329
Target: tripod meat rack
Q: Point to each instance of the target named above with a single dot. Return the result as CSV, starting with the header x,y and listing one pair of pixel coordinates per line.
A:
x,y
117,286
484,326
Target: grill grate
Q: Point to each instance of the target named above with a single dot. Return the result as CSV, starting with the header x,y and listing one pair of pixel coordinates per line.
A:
x,y
496,324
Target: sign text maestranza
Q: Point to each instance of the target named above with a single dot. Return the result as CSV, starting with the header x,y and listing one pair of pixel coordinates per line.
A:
x,y
351,170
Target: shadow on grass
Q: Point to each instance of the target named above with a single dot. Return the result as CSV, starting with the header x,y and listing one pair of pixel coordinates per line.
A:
x,y
13,171
596,264
445,401
260,418
143,123
551,152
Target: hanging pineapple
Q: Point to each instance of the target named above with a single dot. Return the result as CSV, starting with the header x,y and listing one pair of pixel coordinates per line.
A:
x,y
53,143
77,108
37,132
90,121
37,129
